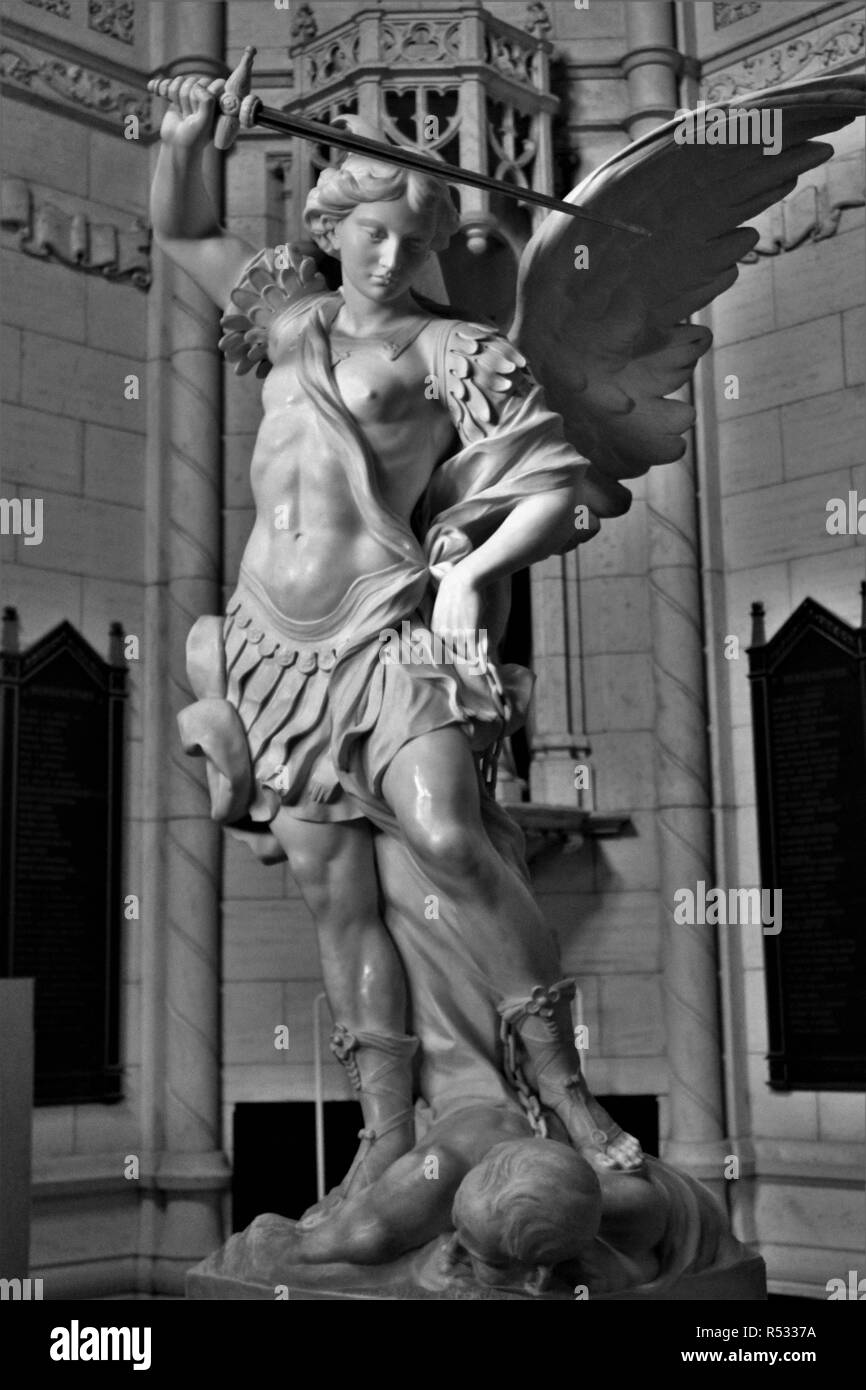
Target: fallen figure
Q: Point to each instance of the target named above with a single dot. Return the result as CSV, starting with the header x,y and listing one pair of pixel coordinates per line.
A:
x,y
480,1209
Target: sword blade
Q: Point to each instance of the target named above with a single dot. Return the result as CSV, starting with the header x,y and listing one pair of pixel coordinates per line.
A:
x,y
305,129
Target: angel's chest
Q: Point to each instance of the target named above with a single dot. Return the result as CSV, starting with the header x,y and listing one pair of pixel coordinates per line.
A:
x,y
374,389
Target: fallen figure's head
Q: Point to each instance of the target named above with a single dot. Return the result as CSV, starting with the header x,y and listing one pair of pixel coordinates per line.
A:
x,y
530,1215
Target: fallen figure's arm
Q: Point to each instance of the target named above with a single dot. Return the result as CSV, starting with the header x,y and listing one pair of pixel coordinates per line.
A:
x,y
411,1202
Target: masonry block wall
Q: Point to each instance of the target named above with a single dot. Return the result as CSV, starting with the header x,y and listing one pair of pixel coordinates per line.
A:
x,y
73,439
792,331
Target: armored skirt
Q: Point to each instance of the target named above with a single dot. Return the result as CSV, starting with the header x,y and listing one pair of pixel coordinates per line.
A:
x,y
309,715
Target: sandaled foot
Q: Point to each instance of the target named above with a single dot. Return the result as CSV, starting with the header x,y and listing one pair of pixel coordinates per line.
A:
x,y
600,1140
543,1022
375,1154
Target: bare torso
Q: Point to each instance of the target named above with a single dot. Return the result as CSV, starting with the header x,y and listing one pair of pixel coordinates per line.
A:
x,y
309,541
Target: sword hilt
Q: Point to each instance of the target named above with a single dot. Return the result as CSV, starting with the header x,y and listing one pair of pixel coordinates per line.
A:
x,y
236,105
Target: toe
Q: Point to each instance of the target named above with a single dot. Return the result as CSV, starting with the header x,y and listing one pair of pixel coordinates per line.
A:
x,y
630,1155
599,1159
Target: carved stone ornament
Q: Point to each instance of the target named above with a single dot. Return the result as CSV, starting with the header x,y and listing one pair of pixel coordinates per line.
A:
x,y
58,7
537,20
725,13
113,17
304,27
420,41
51,233
510,58
822,50
76,86
333,60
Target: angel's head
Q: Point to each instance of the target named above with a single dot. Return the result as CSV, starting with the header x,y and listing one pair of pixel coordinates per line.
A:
x,y
380,221
529,1205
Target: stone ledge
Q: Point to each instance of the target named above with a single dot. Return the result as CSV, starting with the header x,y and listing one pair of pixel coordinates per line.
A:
x,y
547,825
822,1161
83,1174
570,820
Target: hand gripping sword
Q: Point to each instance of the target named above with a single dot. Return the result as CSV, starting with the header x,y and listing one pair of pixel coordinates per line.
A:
x,y
240,109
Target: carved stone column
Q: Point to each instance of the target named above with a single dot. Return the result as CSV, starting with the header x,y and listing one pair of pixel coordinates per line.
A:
x,y
180,924
558,740
682,755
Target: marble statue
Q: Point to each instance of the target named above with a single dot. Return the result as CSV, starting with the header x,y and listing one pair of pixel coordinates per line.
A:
x,y
521,1217
351,704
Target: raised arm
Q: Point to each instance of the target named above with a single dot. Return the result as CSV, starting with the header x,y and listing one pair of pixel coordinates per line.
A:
x,y
185,223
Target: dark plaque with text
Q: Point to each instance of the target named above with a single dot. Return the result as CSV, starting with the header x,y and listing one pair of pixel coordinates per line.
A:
x,y
809,715
60,829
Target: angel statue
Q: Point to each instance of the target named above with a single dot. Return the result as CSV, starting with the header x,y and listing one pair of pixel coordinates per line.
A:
x,y
350,702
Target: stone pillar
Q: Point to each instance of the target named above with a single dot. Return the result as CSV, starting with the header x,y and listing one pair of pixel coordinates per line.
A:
x,y
368,87
689,954
180,925
558,740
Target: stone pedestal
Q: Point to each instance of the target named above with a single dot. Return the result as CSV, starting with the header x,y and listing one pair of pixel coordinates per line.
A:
x,y
742,1281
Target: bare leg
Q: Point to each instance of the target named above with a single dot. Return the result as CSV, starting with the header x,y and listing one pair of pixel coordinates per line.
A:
x,y
406,1207
334,867
432,788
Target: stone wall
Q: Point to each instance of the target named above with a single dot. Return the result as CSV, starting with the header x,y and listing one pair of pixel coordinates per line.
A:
x,y
71,437
792,330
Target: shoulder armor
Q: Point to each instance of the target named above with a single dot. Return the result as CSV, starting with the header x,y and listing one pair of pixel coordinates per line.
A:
x,y
264,291
482,369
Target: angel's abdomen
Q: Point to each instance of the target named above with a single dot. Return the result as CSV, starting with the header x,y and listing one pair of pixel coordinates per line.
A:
x,y
309,542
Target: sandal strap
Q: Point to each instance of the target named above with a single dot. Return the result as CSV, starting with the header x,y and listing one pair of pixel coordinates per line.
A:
x,y
369,1137
540,1001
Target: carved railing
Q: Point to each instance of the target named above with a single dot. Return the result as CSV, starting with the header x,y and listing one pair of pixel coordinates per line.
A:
x,y
456,84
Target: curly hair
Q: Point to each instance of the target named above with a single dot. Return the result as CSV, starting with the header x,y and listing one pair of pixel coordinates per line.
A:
x,y
362,179
534,1200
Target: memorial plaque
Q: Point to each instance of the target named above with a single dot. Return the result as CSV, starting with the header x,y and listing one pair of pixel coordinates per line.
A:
x,y
60,829
809,717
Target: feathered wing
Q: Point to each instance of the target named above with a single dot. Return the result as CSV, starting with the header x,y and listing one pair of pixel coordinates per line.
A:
x,y
264,291
609,343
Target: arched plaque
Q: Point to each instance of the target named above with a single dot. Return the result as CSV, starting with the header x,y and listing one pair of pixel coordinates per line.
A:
x,y
809,716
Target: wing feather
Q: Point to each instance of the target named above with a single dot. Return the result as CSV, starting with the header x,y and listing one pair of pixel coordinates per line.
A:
x,y
610,343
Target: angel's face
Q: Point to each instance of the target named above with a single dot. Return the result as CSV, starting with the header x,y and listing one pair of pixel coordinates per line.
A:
x,y
382,246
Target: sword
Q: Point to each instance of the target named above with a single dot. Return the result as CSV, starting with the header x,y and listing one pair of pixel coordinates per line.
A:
x,y
239,108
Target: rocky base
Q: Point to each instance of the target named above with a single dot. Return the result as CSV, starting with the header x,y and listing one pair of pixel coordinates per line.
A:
x,y
229,1274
